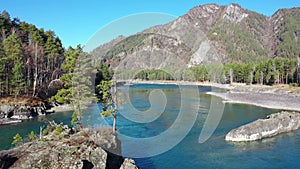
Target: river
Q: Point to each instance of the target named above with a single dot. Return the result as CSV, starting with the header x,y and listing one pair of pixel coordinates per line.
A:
x,y
282,151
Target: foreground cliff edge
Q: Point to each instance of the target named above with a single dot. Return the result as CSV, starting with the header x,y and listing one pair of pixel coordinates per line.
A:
x,y
273,125
63,148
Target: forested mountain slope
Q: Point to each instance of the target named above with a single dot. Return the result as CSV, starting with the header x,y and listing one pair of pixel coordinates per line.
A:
x,y
208,34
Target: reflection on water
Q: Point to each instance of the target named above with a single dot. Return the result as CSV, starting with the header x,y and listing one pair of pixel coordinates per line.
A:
x,y
267,143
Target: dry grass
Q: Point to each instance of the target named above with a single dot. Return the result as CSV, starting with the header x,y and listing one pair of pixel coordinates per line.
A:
x,y
22,100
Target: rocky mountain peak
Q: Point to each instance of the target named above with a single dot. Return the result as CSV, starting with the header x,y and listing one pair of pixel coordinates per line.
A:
x,y
203,17
204,11
235,13
206,34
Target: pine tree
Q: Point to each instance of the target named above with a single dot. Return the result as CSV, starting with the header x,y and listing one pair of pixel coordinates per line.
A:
x,y
107,93
64,95
14,64
18,82
5,24
82,86
108,99
51,50
2,67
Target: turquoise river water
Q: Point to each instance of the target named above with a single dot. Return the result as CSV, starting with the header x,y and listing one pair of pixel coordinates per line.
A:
x,y
282,151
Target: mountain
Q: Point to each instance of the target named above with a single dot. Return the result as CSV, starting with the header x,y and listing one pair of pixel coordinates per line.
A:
x,y
207,34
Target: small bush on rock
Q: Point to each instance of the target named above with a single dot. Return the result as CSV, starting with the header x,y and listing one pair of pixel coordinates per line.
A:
x,y
17,139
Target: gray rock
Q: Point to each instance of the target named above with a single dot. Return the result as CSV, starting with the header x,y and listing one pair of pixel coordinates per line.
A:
x,y
6,109
25,107
6,121
84,149
12,114
128,164
54,86
61,108
263,128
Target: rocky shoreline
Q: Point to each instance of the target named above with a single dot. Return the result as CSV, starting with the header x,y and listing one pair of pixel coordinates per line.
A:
x,y
29,113
62,147
273,125
15,110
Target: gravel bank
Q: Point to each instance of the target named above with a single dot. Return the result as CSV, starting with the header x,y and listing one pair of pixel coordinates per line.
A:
x,y
273,100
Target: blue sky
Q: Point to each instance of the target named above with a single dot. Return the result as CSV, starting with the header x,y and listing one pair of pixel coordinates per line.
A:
x,y
76,21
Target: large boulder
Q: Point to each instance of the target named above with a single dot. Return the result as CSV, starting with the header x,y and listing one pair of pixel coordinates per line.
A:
x,y
262,128
6,110
54,86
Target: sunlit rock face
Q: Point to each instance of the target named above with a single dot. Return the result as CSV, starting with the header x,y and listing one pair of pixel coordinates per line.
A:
x,y
234,13
263,128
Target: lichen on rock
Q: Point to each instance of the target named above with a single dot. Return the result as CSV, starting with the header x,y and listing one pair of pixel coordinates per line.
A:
x,y
87,148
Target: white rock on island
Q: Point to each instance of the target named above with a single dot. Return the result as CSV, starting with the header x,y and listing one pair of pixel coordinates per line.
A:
x,y
263,128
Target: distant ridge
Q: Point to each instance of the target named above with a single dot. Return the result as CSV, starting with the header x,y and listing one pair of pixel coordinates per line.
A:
x,y
208,34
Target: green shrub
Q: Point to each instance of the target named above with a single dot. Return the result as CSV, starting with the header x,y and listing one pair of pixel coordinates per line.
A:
x,y
32,136
17,139
293,85
76,148
46,130
58,130
106,113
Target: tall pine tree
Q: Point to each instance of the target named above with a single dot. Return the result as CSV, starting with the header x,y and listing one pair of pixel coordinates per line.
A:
x,y
14,51
2,66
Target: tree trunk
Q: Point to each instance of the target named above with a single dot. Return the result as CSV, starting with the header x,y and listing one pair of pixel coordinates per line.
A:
x,y
261,78
41,131
231,75
298,70
115,108
3,34
251,78
36,69
28,79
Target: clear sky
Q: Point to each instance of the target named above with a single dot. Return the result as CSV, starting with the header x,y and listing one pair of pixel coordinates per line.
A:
x,y
75,21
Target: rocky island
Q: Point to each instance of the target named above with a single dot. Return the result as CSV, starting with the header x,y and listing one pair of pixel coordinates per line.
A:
x,y
273,125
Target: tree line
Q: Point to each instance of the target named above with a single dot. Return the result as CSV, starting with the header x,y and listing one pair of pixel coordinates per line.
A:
x,y
29,57
267,72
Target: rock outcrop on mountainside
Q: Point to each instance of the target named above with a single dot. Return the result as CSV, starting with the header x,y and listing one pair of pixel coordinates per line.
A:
x,y
207,34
